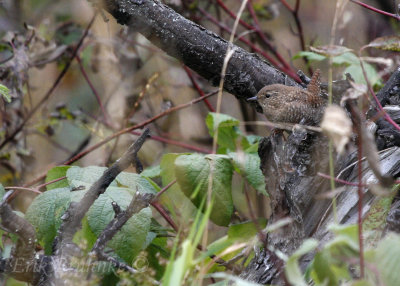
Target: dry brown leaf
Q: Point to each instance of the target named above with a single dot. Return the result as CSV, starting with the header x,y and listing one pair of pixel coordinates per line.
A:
x,y
337,126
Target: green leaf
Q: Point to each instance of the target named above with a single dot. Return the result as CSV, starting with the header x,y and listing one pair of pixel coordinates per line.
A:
x,y
131,239
248,165
228,131
68,34
133,181
292,269
245,230
157,250
230,279
193,173
6,52
87,234
357,74
56,173
5,92
180,207
85,176
45,212
89,175
375,222
346,59
353,67
250,143
47,208
322,266
152,172
387,43
311,56
388,259
345,243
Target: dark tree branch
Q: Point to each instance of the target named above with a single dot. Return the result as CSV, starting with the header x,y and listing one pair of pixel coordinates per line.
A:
x,y
198,48
73,217
21,263
387,134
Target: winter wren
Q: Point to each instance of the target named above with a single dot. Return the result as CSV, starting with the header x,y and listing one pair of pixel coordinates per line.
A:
x,y
289,104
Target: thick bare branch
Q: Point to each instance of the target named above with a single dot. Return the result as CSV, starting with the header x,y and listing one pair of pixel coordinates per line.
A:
x,y
198,48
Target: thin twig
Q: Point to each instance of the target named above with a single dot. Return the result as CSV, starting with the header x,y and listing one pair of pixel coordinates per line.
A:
x,y
123,131
137,126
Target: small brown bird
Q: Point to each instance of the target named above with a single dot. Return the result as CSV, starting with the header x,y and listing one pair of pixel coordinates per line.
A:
x,y
289,104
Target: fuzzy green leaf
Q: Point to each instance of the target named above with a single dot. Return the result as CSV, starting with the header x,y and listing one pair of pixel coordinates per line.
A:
x,y
5,92
56,173
131,239
45,212
388,259
248,165
311,56
228,131
193,173
292,269
388,43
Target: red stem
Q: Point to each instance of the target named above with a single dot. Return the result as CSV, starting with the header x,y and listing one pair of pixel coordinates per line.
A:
x,y
34,190
255,28
295,13
286,4
255,48
163,190
165,215
197,87
176,143
263,37
96,94
137,126
397,17
50,182
340,180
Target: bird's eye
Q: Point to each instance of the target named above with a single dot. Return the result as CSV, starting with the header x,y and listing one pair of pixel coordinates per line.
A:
x,y
268,95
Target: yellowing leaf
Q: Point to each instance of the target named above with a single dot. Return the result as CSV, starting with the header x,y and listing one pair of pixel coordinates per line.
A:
x,y
388,43
330,50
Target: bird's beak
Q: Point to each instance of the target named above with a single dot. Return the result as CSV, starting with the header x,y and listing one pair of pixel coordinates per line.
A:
x,y
254,98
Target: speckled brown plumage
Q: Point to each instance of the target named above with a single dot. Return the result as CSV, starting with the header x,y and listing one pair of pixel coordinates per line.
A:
x,y
288,104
